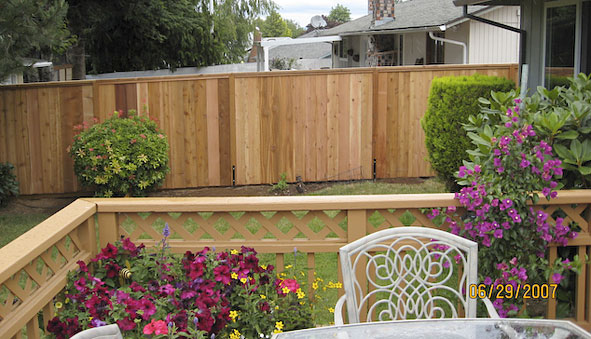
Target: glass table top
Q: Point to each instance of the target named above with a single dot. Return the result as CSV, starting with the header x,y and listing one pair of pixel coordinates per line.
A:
x,y
446,329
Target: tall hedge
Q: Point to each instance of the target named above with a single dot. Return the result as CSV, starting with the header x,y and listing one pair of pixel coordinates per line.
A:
x,y
451,101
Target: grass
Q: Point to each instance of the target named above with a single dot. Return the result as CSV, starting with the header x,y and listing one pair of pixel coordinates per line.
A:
x,y
370,187
13,225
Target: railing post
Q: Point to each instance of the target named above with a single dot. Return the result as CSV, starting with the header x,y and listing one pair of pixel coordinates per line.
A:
x,y
108,228
357,229
87,235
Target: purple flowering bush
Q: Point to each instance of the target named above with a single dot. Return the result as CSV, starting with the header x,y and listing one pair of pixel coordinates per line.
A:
x,y
155,294
509,168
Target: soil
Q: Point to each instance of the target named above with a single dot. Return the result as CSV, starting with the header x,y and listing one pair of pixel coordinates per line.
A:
x,y
49,204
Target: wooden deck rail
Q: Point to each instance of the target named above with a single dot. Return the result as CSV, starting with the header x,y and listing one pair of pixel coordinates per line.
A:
x,y
33,267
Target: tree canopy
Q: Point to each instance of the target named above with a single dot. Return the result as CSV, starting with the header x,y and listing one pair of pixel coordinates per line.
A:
x,y
340,14
296,30
274,26
126,35
30,28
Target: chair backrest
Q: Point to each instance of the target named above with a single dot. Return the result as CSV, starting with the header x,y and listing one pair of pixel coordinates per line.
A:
x,y
409,273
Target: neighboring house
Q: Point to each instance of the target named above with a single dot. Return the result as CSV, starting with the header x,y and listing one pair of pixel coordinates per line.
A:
x,y
304,56
556,38
425,32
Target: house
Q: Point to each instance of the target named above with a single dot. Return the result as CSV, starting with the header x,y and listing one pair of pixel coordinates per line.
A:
x,y
555,38
425,32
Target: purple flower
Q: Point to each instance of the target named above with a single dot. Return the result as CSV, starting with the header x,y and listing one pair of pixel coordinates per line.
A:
x,y
96,322
557,278
487,281
524,163
166,230
498,234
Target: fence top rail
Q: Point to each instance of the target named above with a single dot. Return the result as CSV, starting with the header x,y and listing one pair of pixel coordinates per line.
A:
x,y
357,70
329,202
18,253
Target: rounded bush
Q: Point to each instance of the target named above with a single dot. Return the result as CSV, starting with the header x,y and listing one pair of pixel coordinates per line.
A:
x,y
121,156
451,102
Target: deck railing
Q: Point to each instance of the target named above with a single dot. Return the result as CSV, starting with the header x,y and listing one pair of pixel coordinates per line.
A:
x,y
33,268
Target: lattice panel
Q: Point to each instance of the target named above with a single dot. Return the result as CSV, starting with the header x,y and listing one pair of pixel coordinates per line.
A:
x,y
580,214
384,219
225,226
21,286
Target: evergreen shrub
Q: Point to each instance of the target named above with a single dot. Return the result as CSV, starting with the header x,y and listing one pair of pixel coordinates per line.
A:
x,y
451,102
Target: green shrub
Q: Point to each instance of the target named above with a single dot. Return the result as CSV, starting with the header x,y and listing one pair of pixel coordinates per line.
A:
x,y
451,101
121,156
8,183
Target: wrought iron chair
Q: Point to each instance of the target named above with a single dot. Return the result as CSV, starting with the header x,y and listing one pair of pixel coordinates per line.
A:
x,y
411,273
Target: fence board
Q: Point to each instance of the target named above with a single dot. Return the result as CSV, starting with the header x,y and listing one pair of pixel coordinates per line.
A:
x,y
320,125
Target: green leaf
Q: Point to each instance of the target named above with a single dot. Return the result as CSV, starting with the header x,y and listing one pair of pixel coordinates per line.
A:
x,y
585,170
564,153
572,134
576,149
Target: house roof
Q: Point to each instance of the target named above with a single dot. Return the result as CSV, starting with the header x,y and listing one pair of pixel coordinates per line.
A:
x,y
410,15
317,50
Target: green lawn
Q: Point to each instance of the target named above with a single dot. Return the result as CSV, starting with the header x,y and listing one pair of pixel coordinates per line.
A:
x,y
13,225
370,187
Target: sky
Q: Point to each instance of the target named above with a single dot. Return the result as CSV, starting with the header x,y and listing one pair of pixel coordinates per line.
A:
x,y
302,10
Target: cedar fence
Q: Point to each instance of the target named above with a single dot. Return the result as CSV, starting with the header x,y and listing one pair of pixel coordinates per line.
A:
x,y
33,267
242,129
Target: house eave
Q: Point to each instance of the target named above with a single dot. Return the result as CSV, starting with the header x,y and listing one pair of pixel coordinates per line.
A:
x,y
395,31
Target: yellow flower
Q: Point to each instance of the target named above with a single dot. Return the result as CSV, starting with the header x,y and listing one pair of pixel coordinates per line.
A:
x,y
235,334
302,303
315,285
277,331
264,267
234,252
89,318
243,280
263,296
331,310
301,294
285,290
279,325
67,300
302,273
234,275
234,315
288,267
58,305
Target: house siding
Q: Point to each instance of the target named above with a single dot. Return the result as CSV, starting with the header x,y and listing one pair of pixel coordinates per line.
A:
x,y
490,44
415,46
454,54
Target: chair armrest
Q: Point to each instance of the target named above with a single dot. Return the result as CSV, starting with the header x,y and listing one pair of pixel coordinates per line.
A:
x,y
490,308
338,311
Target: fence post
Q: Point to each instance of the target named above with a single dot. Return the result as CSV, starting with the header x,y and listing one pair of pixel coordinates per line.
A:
x,y
108,228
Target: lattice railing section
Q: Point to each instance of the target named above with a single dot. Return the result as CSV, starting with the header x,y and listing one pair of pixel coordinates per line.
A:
x,y
23,287
387,218
227,228
579,214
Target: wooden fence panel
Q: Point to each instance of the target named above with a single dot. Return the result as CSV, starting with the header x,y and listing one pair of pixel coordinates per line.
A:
x,y
321,125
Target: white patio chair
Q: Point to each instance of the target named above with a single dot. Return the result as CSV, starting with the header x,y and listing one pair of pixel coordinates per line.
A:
x,y
410,275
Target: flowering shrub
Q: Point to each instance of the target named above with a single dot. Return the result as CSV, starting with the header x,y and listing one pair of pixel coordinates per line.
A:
x,y
201,295
509,167
121,155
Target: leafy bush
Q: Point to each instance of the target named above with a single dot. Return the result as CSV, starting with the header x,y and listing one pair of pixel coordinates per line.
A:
x,y
227,294
562,117
451,101
281,187
510,165
8,183
121,156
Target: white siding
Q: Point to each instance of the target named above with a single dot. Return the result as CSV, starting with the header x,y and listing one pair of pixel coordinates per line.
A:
x,y
454,54
494,45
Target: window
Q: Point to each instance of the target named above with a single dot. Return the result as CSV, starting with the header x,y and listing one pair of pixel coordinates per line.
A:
x,y
561,42
435,48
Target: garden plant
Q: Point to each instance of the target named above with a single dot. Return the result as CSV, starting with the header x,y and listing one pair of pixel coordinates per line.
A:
x,y
8,183
121,156
521,155
227,294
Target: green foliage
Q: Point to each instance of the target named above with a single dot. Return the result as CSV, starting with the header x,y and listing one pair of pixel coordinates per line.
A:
x,y
281,187
121,156
274,26
295,28
340,14
451,101
562,117
282,63
29,27
159,34
8,183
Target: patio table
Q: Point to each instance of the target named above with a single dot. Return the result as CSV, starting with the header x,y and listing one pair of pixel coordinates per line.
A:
x,y
481,328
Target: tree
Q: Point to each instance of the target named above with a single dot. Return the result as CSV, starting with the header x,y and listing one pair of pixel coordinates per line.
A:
x,y
274,26
340,14
29,28
159,34
296,30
